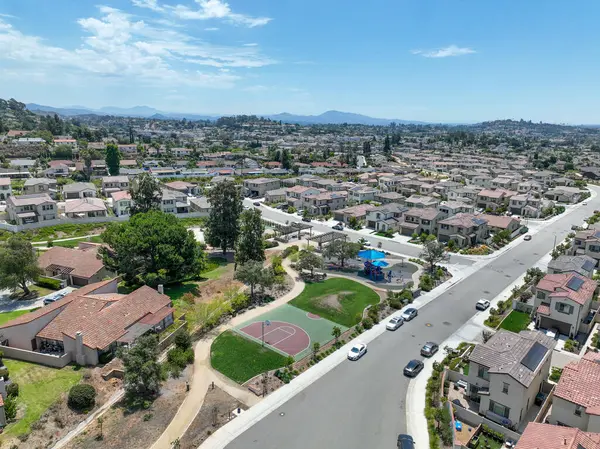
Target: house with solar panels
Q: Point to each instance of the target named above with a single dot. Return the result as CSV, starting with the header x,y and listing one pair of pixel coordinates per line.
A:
x,y
563,301
506,374
464,229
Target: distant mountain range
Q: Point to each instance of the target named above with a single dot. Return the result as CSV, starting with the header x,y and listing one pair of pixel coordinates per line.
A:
x,y
329,117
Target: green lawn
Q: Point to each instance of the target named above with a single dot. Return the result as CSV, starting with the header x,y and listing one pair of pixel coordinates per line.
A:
x,y
215,267
353,298
39,387
516,321
7,316
176,291
241,359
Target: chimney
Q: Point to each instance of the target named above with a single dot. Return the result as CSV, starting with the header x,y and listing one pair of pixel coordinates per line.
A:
x,y
79,354
161,289
565,441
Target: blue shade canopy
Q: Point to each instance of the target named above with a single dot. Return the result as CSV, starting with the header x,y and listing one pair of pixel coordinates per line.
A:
x,y
371,254
380,263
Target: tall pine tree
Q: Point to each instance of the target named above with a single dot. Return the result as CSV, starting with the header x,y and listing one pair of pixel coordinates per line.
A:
x,y
222,227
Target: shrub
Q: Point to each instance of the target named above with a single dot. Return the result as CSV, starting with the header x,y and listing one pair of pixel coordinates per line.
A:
x,y
188,298
183,340
4,373
555,374
367,323
180,358
12,389
277,266
47,282
426,283
82,397
10,408
373,314
270,244
290,250
395,303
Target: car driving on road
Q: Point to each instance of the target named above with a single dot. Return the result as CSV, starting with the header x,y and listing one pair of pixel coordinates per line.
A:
x,y
257,204
527,238
405,442
482,304
429,349
394,323
339,227
413,368
409,314
357,351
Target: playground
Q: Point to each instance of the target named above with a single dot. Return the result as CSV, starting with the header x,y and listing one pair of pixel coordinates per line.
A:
x,y
288,330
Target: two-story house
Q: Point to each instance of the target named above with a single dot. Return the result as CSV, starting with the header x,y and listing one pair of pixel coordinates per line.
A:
x,y
112,184
464,229
529,186
32,208
174,202
419,201
544,177
389,197
494,199
568,195
259,186
467,194
79,190
187,188
386,218
587,243
563,301
296,194
576,400
5,188
507,372
419,221
498,223
121,203
583,265
85,207
40,185
547,436
443,188
451,208
57,171
360,194
527,205
323,203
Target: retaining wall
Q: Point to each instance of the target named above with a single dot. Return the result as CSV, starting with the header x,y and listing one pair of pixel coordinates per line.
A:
x,y
472,418
54,361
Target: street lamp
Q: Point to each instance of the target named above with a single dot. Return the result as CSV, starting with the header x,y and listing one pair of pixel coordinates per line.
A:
x,y
264,323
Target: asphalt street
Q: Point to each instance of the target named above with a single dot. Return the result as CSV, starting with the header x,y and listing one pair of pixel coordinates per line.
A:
x,y
362,404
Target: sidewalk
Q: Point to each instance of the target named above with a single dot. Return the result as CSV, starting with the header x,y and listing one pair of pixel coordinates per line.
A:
x,y
203,373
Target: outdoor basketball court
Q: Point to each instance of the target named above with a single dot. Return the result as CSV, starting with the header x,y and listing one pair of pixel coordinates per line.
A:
x,y
288,330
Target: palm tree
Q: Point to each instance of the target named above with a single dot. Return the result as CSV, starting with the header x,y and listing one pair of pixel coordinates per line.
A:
x,y
335,333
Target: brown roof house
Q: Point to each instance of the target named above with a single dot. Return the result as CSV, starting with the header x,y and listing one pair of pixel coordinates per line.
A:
x,y
86,324
85,208
77,266
576,401
464,229
419,221
547,436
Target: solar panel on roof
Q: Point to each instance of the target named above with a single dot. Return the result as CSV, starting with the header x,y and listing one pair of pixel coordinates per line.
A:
x,y
588,265
575,283
534,356
597,234
479,221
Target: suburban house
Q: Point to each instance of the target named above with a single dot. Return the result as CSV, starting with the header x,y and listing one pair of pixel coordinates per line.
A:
x,y
482,180
87,323
505,182
57,170
497,223
276,196
507,372
121,203
34,208
187,188
5,188
359,212
389,197
323,203
467,194
563,301
527,205
259,186
450,208
360,194
200,204
443,188
464,229
494,199
174,202
420,201
583,265
112,184
544,177
529,186
419,221
77,266
564,194
296,194
587,242
88,207
386,218
546,436
40,185
576,401
79,190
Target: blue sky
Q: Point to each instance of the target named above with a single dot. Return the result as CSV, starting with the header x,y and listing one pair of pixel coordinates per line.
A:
x,y
431,60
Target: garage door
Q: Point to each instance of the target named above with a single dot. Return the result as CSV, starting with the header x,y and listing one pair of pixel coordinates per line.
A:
x,y
563,328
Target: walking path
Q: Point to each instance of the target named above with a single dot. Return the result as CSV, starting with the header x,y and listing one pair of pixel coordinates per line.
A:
x,y
204,374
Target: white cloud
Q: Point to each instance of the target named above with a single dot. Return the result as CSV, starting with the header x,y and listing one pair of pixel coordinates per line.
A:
x,y
216,9
451,50
114,46
252,44
211,29
150,4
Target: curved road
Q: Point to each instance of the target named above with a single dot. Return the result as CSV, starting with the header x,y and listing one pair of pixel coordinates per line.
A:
x,y
362,404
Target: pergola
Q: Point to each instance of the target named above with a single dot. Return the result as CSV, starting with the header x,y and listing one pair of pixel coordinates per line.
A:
x,y
285,230
328,237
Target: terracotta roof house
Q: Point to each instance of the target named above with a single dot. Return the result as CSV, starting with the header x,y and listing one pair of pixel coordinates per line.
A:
x,y
77,266
498,223
359,212
576,401
184,187
547,436
121,202
86,324
563,301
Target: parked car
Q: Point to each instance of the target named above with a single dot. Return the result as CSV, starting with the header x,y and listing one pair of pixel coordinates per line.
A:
x,y
482,304
409,314
339,227
585,204
357,351
405,442
413,368
394,323
527,237
306,219
429,349
257,204
51,299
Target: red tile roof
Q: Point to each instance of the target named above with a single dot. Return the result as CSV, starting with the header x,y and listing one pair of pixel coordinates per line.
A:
x,y
543,309
84,264
580,383
120,195
495,221
547,436
556,284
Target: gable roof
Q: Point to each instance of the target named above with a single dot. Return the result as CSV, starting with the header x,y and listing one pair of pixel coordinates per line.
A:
x,y
81,263
579,264
547,436
82,205
498,221
568,285
580,383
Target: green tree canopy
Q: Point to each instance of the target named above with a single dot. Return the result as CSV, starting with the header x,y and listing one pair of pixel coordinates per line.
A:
x,y
253,274
142,376
307,260
113,159
152,248
146,194
18,265
341,250
222,227
250,244
433,253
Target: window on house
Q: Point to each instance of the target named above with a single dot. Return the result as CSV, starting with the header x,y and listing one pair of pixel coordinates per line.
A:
x,y
482,372
504,387
564,308
540,295
499,409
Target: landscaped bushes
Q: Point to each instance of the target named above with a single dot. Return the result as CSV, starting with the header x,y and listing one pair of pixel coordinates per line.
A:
x,y
47,282
290,250
270,244
182,354
82,397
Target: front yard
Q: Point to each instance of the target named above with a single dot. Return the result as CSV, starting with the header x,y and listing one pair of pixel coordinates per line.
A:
x,y
516,321
39,387
7,316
